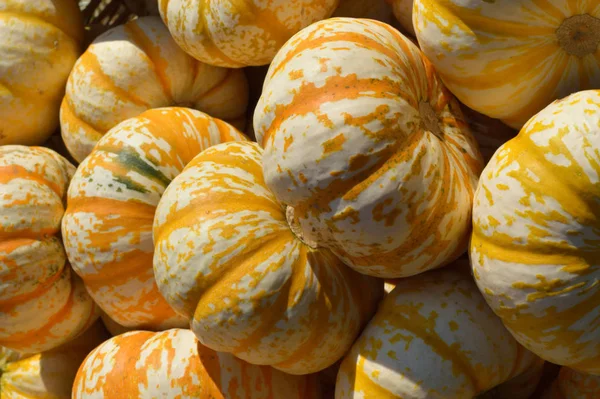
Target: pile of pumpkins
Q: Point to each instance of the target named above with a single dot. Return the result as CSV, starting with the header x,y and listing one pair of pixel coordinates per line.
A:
x,y
301,199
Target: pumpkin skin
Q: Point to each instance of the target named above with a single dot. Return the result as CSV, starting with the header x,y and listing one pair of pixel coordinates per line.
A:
x,y
432,336
135,67
39,43
107,226
536,222
573,385
374,156
237,34
42,302
47,375
228,260
173,364
484,52
403,11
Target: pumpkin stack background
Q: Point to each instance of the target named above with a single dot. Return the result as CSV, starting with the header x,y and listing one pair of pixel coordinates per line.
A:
x,y
299,199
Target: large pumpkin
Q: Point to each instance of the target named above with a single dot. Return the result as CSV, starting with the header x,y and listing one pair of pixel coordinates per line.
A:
x,y
236,34
136,67
229,260
485,51
535,247
573,385
173,364
432,337
374,156
107,227
42,302
39,43
47,375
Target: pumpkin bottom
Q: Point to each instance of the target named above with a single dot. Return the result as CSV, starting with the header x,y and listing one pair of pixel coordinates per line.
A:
x,y
579,35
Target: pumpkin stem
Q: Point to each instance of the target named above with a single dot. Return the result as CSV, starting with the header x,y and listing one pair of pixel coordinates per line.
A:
x,y
430,119
579,35
296,229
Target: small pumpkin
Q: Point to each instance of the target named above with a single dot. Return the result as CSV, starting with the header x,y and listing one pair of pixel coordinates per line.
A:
x,y
403,11
571,384
432,336
535,247
39,43
173,364
374,156
230,259
237,34
43,304
107,226
135,67
485,52
50,374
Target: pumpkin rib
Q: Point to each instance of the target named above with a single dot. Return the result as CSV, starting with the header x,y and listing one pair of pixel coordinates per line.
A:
x,y
36,19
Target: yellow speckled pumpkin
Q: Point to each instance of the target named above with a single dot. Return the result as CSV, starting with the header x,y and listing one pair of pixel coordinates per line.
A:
x,y
573,385
535,247
136,67
173,364
508,60
228,259
234,33
39,43
107,227
374,156
42,302
50,374
432,337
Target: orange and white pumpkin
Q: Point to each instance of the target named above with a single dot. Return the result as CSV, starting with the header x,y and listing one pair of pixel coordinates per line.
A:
x,y
47,375
235,34
403,11
173,364
135,67
39,43
432,336
229,260
42,302
510,60
107,227
573,385
374,156
535,247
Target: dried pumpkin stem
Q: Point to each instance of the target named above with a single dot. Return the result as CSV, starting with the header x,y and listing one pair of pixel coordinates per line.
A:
x,y
296,229
579,35
430,119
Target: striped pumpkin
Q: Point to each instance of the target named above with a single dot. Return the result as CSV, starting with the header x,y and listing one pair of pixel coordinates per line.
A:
x,y
236,34
432,337
39,43
536,236
228,260
47,375
403,10
485,51
136,67
107,227
573,385
172,364
42,302
374,156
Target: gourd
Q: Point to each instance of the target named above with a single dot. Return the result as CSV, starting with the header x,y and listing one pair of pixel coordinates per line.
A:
x,y
43,304
535,243
172,364
229,257
135,67
573,385
39,43
237,34
484,52
403,11
107,226
374,156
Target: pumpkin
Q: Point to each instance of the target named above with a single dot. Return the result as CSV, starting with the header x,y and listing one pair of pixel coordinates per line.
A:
x,y
173,364
432,336
112,326
235,33
39,43
228,259
573,385
50,374
535,246
135,67
107,226
43,303
403,11
374,156
375,9
522,386
484,52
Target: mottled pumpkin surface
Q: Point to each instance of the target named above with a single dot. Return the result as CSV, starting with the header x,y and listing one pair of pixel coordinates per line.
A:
x,y
571,384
